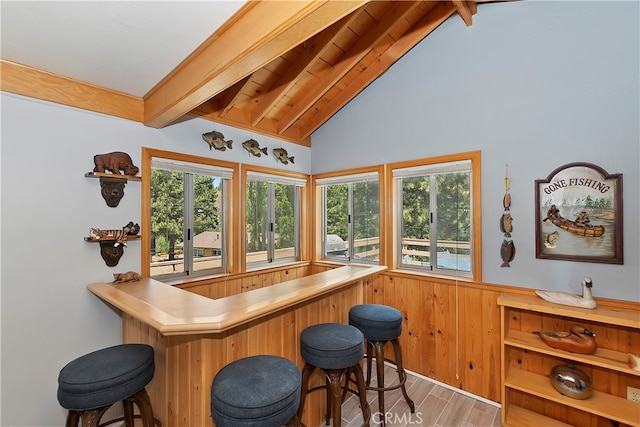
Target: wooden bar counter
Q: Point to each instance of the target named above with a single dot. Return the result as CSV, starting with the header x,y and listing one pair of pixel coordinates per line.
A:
x,y
194,336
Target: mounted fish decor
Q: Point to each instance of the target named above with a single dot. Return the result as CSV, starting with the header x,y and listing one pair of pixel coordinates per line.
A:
x,y
508,248
282,155
507,252
252,146
216,140
506,224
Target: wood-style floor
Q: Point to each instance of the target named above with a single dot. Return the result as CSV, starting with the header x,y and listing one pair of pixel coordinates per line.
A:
x,y
435,406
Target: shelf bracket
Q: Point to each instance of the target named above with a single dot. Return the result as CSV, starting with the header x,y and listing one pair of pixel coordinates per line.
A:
x,y
112,190
111,254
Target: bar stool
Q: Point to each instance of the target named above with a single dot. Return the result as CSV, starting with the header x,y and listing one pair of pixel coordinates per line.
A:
x,y
256,391
91,384
337,349
379,324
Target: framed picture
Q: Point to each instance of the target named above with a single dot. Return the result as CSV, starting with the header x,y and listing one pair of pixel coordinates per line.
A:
x,y
579,215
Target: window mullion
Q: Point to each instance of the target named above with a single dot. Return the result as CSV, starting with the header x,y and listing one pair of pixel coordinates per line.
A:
x,y
188,232
271,245
433,227
350,222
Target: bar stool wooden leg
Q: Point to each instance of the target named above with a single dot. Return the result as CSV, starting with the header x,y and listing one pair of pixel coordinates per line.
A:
x,y
369,357
362,393
402,375
306,374
379,352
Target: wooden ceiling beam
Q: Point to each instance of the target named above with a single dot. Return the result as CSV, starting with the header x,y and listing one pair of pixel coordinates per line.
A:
x,y
358,51
419,31
315,49
257,34
39,84
466,9
232,94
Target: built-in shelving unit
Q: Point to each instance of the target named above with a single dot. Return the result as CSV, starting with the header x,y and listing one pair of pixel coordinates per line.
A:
x,y
528,398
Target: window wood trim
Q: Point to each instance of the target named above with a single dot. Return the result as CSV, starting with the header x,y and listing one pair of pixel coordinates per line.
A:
x,y
391,225
304,231
232,222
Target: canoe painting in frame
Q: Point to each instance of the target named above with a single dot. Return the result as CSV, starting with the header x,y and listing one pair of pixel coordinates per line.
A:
x,y
579,215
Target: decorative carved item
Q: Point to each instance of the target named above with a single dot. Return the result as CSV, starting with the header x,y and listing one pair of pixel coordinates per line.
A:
x,y
129,276
114,162
578,340
634,361
571,381
131,229
111,254
112,191
116,237
112,242
566,298
508,248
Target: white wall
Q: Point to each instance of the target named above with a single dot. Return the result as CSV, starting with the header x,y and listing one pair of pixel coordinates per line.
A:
x,y
48,206
534,85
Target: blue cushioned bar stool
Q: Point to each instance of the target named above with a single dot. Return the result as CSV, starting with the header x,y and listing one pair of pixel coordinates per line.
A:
x,y
256,391
380,324
90,384
337,349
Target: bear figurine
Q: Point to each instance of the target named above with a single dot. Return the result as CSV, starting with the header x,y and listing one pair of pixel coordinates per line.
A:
x,y
114,162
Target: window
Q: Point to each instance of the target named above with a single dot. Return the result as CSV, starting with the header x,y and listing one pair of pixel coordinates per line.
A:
x,y
272,218
187,217
351,217
435,217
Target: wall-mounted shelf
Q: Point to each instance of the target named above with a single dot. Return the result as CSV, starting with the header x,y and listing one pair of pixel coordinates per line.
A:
x,y
112,185
109,239
526,360
112,176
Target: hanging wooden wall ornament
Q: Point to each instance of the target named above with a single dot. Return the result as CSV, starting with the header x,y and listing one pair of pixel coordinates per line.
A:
x,y
507,249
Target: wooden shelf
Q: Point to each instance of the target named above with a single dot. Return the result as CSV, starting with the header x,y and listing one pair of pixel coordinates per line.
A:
x,y
620,327
602,357
611,316
520,417
112,176
602,404
92,240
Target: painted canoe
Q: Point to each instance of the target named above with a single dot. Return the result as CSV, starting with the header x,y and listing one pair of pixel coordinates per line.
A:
x,y
570,226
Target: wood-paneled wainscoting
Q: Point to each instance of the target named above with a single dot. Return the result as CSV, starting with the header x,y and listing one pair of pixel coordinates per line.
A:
x,y
464,351
451,333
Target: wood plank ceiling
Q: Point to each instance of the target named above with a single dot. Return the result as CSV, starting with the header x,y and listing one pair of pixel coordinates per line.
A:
x,y
298,67
278,68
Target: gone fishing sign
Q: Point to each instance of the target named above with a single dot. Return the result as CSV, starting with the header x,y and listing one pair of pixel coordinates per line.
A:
x,y
579,215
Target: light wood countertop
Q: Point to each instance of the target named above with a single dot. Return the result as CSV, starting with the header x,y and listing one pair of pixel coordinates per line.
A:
x,y
174,311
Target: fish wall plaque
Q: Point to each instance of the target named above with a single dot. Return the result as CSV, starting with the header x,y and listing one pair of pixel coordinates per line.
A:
x,y
253,147
282,155
508,248
216,140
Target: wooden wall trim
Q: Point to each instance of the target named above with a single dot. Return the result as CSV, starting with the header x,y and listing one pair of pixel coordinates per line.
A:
x,y
34,83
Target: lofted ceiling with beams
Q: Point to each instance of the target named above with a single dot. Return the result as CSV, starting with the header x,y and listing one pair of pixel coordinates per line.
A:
x,y
283,68
344,49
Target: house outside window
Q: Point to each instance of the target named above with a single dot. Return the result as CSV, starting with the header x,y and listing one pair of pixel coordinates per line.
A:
x,y
187,218
435,218
351,217
272,218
